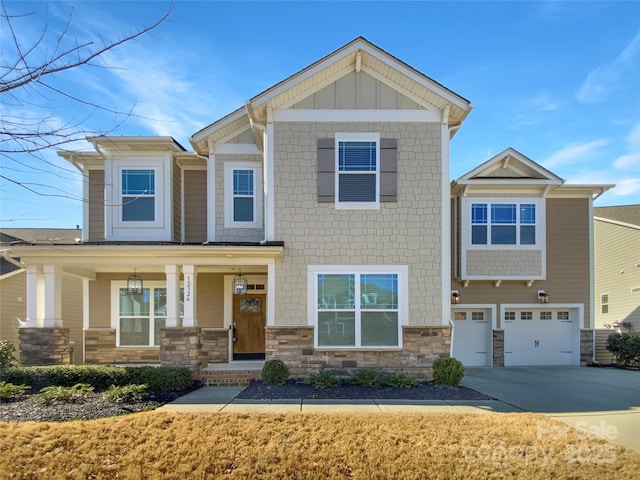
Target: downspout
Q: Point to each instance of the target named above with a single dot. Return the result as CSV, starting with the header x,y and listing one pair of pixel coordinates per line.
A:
x,y
13,261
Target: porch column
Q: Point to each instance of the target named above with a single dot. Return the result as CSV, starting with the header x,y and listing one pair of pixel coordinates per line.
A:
x,y
190,275
52,296
35,297
173,295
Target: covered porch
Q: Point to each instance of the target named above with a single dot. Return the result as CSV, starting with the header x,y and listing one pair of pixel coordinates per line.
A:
x,y
196,304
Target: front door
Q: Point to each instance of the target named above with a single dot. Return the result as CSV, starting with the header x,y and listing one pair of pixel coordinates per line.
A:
x,y
248,327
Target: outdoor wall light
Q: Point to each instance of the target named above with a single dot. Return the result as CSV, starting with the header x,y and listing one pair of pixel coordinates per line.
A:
x,y
239,284
455,297
134,284
543,297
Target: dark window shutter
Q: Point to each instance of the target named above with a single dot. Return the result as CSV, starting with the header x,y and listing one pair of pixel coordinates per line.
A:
x,y
326,170
388,170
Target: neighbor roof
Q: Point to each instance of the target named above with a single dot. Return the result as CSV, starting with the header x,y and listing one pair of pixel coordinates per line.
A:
x,y
50,236
621,213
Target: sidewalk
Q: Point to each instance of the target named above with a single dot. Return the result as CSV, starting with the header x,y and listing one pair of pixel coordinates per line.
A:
x,y
223,399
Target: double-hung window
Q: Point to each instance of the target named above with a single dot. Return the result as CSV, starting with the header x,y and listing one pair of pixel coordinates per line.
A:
x,y
357,170
138,195
503,223
141,316
358,309
242,195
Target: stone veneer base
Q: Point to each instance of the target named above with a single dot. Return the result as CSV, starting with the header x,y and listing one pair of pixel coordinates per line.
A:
x,y
421,346
44,346
100,349
182,347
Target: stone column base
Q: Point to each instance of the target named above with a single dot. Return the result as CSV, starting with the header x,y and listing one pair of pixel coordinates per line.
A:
x,y
498,348
182,347
44,346
586,347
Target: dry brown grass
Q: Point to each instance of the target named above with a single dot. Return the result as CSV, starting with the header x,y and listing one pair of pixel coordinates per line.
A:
x,y
276,446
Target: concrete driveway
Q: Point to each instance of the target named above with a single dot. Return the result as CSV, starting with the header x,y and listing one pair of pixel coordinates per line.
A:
x,y
603,401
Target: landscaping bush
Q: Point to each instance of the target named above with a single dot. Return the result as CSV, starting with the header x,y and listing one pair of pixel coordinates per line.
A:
x,y
7,354
126,393
369,378
625,348
323,380
274,372
160,379
10,392
77,393
401,380
448,371
100,377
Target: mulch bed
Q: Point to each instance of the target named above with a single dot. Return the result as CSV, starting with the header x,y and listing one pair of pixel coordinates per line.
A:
x,y
293,388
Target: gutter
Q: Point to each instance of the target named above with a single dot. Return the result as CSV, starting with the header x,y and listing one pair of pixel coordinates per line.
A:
x,y
13,261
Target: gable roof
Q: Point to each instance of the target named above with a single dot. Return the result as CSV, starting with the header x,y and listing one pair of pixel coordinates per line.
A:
x,y
40,236
627,214
357,55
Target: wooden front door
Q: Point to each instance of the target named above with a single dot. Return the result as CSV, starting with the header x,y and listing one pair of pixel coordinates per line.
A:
x,y
249,314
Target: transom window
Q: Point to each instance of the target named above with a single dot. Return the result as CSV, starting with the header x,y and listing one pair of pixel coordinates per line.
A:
x,y
138,195
563,315
546,316
503,224
358,310
460,315
526,315
478,316
357,170
141,316
242,195
509,315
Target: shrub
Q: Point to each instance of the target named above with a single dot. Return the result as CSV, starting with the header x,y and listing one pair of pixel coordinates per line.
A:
x,y
9,391
625,348
401,380
126,393
160,379
369,378
274,372
77,393
448,371
323,380
98,376
7,357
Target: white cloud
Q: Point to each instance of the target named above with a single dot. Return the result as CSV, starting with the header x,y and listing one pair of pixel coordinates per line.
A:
x,y
607,76
574,153
630,160
544,102
627,186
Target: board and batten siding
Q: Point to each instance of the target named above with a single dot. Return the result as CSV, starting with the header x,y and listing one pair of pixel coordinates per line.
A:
x,y
359,91
617,254
567,279
96,206
195,206
405,232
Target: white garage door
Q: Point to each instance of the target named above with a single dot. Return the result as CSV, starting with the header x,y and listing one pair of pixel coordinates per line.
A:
x,y
472,336
541,337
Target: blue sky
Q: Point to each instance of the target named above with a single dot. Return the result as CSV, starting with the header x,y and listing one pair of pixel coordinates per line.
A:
x,y
557,81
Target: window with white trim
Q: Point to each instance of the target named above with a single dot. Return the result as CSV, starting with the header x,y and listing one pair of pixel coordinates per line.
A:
x,y
357,179
138,195
359,308
503,223
604,303
141,316
243,203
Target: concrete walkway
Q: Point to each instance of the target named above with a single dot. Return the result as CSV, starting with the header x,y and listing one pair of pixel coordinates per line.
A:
x,y
223,399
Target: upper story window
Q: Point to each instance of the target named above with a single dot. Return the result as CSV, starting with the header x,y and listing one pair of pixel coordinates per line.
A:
x,y
503,223
243,205
138,195
357,179
604,303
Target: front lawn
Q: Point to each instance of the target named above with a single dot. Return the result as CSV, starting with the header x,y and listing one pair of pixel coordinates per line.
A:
x,y
387,446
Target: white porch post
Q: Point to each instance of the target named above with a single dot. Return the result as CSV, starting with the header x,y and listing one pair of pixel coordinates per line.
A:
x,y
211,193
35,297
52,296
173,295
190,296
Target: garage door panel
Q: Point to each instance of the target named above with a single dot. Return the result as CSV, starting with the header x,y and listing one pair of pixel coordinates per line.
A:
x,y
472,336
541,337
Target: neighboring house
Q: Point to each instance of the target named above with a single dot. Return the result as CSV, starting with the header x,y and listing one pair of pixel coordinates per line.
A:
x,y
326,202
617,263
13,285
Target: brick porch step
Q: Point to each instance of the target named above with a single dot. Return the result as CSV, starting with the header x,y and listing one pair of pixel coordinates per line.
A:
x,y
227,378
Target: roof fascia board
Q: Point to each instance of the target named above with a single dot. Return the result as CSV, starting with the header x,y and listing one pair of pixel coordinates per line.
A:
x,y
224,121
616,222
509,181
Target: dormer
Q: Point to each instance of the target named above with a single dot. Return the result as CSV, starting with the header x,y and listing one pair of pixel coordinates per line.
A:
x,y
501,218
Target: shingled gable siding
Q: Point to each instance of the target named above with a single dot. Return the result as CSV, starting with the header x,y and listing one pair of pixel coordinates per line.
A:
x,y
388,170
